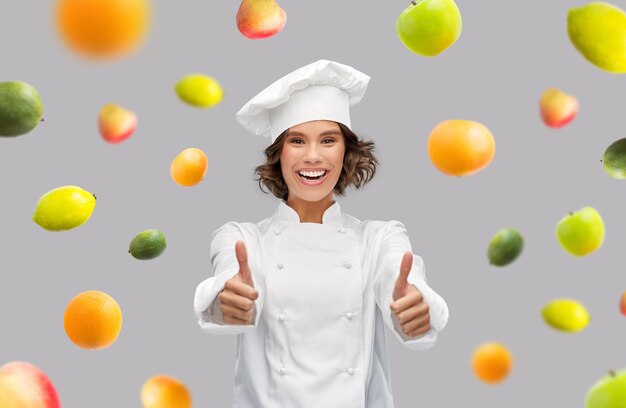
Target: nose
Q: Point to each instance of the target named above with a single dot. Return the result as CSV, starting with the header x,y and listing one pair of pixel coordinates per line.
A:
x,y
312,154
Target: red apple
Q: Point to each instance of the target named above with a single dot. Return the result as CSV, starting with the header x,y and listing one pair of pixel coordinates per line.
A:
x,y
622,304
22,385
116,123
260,18
557,108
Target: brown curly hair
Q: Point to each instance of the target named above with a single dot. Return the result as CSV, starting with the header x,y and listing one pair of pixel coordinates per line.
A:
x,y
359,165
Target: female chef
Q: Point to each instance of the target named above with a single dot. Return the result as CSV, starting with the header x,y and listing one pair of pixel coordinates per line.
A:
x,y
309,290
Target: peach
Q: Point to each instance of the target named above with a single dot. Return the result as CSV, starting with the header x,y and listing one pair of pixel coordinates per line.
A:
x,y
23,385
116,123
557,108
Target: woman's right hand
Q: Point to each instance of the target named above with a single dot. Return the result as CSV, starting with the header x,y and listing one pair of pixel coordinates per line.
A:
x,y
238,296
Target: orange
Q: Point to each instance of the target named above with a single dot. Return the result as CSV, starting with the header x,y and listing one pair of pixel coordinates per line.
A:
x,y
93,320
492,362
162,391
103,28
461,147
189,167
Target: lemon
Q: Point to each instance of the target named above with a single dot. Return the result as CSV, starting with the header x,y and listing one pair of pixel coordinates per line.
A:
x,y
505,247
148,244
566,315
199,90
64,208
597,30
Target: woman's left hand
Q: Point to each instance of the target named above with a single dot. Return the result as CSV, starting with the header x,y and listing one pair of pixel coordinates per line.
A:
x,y
408,302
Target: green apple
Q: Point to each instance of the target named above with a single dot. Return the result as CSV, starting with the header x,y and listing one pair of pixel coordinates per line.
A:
x,y
608,392
428,27
581,232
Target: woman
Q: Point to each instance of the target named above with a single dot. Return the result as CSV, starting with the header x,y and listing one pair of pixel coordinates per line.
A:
x,y
310,289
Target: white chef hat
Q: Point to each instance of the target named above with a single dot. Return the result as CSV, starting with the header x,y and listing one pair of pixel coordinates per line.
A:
x,y
323,90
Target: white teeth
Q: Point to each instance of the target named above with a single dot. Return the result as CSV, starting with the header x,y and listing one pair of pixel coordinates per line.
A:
x,y
312,173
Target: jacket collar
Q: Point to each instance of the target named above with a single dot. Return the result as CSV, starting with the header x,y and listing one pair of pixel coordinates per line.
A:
x,y
332,215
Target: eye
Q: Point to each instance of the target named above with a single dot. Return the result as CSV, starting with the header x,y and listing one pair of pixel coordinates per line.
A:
x,y
296,141
328,140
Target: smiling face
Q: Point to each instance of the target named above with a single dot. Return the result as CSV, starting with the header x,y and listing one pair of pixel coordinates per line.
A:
x,y
312,160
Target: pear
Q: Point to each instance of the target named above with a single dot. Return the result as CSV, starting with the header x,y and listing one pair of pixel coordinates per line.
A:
x,y
597,30
260,18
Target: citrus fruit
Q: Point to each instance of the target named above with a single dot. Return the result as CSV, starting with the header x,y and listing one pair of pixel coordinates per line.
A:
x,y
147,244
199,90
581,232
492,362
64,208
566,315
103,28
162,391
189,167
461,147
597,31
614,160
93,320
20,108
505,247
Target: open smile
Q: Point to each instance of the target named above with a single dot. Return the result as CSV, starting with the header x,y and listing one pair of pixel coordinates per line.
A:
x,y
312,178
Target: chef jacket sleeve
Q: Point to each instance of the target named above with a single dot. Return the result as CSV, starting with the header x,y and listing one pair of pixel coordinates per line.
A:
x,y
225,266
395,242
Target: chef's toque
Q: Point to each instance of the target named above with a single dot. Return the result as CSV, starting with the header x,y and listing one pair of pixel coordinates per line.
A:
x,y
323,90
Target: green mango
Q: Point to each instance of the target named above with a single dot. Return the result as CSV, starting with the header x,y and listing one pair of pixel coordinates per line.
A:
x,y
20,108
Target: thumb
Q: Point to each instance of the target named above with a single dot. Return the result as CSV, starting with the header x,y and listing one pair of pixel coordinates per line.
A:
x,y
242,259
402,280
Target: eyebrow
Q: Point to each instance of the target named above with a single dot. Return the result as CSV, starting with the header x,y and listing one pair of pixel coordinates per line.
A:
x,y
325,133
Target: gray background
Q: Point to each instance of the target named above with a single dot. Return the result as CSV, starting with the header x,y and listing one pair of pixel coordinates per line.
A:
x,y
507,55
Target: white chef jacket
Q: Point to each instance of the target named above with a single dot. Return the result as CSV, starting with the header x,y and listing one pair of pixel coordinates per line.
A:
x,y
318,337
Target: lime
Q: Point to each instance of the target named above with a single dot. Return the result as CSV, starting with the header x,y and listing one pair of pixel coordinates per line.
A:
x,y
64,208
614,159
565,315
147,244
20,108
199,90
505,247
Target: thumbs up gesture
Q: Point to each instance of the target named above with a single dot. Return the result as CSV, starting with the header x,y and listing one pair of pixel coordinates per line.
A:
x,y
237,298
408,303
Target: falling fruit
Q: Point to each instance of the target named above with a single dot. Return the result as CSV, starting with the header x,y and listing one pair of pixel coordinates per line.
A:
x,y
93,320
608,392
103,28
505,247
557,108
565,315
64,208
492,362
199,91
428,27
189,167
614,160
148,244
461,147
163,391
116,123
258,19
582,232
20,108
597,30
23,385
622,304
